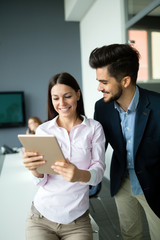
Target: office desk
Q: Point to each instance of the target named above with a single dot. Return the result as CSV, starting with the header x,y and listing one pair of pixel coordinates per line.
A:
x,y
1,161
16,194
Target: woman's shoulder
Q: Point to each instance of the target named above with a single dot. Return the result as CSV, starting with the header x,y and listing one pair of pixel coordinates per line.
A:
x,y
94,127
93,122
45,126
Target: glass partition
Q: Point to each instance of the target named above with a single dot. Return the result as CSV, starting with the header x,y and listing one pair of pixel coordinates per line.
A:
x,y
135,6
155,51
143,32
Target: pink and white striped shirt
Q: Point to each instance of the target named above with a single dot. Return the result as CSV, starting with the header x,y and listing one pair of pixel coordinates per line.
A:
x,y
61,201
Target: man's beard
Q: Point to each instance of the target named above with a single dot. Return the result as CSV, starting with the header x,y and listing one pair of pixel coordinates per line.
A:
x,y
114,97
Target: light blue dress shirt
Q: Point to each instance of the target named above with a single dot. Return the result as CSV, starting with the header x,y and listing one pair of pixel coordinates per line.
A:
x,y
127,125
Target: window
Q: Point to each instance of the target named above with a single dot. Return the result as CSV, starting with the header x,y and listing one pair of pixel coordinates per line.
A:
x,y
143,32
135,6
139,39
155,51
148,44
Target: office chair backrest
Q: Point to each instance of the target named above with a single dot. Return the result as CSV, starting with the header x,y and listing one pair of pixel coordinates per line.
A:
x,y
94,190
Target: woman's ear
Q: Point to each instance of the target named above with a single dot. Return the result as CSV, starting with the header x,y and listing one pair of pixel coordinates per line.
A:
x,y
78,94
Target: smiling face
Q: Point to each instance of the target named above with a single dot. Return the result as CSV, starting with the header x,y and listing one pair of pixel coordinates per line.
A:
x,y
64,100
111,89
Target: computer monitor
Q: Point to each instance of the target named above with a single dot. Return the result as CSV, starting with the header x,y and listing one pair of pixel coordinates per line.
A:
x,y
12,109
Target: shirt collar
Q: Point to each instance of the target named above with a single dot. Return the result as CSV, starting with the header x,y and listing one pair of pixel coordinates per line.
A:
x,y
133,105
53,122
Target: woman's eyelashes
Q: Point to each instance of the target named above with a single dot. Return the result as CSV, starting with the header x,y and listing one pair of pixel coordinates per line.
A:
x,y
56,98
68,96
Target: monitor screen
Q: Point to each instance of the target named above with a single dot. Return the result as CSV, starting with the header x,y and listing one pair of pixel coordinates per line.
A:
x,y
12,109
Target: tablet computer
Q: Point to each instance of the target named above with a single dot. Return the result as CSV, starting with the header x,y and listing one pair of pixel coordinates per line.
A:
x,y
44,145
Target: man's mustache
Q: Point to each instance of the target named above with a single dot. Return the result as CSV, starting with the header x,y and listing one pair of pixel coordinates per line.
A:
x,y
104,92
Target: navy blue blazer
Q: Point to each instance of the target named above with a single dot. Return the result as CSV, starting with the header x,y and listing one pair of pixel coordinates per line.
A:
x,y
146,145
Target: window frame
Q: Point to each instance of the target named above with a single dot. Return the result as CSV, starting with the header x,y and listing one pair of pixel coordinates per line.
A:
x,y
129,26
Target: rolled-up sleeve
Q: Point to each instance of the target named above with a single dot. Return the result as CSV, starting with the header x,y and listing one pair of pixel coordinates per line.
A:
x,y
40,181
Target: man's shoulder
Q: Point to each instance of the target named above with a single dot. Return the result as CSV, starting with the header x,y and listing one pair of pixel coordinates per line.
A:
x,y
152,98
101,104
100,101
149,93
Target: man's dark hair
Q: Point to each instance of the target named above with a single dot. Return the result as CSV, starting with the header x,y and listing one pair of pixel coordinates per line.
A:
x,y
121,60
69,80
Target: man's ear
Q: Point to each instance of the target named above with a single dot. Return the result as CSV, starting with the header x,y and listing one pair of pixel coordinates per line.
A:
x,y
126,81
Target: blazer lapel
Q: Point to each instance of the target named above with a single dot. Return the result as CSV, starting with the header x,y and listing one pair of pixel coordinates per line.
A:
x,y
141,120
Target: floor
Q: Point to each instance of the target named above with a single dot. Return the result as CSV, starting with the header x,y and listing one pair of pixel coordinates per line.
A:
x,y
104,212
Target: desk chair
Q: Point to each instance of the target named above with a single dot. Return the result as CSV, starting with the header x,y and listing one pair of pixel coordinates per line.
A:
x,y
94,193
94,190
95,229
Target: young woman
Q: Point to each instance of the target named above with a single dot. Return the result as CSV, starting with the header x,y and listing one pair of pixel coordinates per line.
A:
x,y
33,123
60,207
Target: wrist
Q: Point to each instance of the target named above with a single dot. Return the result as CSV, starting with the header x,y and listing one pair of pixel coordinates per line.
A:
x,y
36,174
84,176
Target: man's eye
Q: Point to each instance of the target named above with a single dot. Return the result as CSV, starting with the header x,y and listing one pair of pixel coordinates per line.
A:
x,y
104,82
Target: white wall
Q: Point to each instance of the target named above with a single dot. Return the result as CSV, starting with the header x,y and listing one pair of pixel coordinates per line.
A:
x,y
35,43
75,10
102,24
